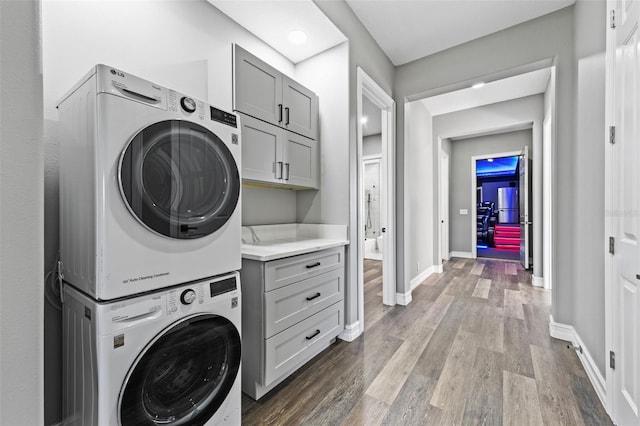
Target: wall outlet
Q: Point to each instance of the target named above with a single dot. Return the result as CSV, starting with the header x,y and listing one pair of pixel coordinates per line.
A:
x,y
464,211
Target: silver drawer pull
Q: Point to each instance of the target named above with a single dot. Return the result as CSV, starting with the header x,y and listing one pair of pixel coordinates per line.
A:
x,y
313,265
313,335
315,296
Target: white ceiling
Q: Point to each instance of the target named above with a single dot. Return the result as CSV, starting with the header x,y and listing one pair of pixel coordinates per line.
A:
x,y
273,20
518,86
407,30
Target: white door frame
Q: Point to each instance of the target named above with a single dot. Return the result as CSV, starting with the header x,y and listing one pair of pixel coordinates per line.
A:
x,y
474,201
366,86
444,208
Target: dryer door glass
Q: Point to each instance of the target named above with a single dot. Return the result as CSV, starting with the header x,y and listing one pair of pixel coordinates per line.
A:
x,y
185,376
179,179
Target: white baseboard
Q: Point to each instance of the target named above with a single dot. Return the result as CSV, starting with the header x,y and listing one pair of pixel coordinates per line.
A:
x,y
403,298
351,332
569,334
462,254
537,281
439,269
423,276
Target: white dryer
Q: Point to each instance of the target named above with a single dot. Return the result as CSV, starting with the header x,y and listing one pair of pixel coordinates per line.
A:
x,y
149,186
170,357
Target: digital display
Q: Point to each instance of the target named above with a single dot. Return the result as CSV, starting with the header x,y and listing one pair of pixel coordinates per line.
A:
x,y
223,117
224,286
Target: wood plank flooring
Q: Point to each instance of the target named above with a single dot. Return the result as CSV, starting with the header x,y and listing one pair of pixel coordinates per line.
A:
x,y
472,348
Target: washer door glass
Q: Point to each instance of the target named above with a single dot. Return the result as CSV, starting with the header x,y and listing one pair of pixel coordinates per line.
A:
x,y
184,377
179,179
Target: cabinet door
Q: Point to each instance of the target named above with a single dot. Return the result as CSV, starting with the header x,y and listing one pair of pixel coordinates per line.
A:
x,y
300,108
300,161
261,151
257,87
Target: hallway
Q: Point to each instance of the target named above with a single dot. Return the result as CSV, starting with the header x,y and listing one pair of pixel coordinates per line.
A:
x,y
473,347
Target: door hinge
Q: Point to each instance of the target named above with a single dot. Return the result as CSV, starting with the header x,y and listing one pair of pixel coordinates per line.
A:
x,y
612,360
612,245
612,19
612,134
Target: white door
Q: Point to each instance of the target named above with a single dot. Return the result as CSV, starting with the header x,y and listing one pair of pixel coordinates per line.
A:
x,y
525,224
444,207
626,201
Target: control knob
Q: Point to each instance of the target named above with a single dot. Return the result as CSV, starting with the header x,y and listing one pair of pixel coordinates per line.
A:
x,y
188,104
187,297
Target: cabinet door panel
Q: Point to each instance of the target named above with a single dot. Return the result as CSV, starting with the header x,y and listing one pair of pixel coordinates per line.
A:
x,y
291,304
301,114
286,351
301,161
258,87
289,270
261,151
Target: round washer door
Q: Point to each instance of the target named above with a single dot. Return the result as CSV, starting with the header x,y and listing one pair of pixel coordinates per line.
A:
x,y
179,179
184,376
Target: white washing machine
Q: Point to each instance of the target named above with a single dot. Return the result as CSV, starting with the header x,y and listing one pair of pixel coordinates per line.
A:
x,y
171,357
149,186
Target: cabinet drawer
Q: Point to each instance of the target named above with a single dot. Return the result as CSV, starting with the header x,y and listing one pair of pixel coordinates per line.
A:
x,y
282,272
291,304
287,350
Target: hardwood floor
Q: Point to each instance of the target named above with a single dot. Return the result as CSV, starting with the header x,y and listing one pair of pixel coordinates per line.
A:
x,y
473,347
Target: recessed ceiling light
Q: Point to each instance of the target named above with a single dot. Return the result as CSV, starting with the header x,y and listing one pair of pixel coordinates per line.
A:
x,y
297,37
490,160
478,85
364,120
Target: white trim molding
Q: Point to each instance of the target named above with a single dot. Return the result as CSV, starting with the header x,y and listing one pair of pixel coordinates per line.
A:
x,y
351,332
438,269
415,282
537,281
403,298
569,334
462,254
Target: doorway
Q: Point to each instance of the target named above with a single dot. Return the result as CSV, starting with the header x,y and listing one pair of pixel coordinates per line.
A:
x,y
376,183
498,197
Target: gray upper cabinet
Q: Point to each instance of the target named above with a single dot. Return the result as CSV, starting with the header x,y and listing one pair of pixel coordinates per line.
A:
x,y
263,92
274,155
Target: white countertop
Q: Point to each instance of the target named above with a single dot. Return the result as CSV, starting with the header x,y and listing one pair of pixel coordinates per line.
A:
x,y
270,242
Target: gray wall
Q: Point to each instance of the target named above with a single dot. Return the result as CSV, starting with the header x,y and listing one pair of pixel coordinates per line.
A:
x,y
548,37
588,250
460,179
420,214
364,52
21,215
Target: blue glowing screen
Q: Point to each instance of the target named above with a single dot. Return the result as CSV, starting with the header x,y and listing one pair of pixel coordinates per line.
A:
x,y
503,166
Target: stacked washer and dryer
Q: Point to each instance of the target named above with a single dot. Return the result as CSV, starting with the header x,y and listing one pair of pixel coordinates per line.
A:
x,y
150,248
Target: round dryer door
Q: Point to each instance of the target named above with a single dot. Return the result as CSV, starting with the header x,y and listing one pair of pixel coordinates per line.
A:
x,y
179,179
184,376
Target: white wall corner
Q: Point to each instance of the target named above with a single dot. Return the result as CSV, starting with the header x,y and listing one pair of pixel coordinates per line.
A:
x,y
351,331
569,334
537,281
415,282
462,254
403,298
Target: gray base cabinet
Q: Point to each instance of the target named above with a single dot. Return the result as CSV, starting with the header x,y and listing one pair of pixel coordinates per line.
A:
x,y
292,309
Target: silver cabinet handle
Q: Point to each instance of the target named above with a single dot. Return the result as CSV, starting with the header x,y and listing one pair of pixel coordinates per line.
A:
x,y
279,113
280,170
287,166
